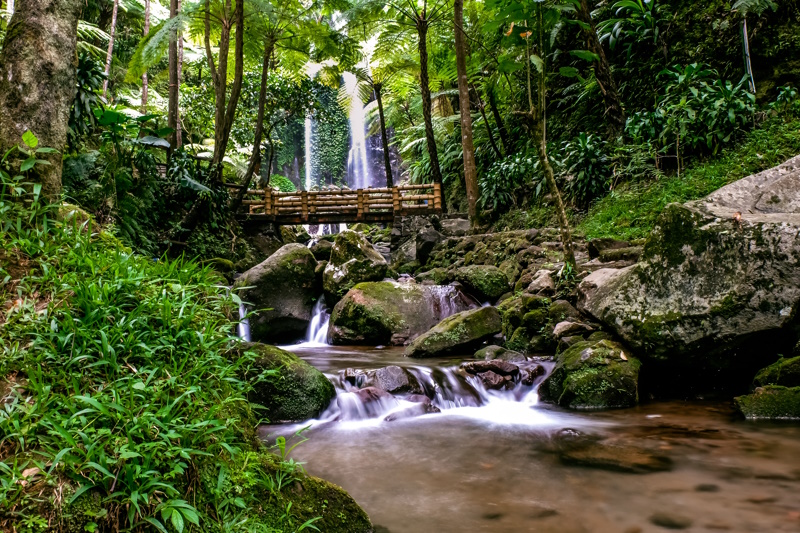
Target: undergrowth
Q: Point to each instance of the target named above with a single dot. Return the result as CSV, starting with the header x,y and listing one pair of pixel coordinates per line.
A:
x,y
121,408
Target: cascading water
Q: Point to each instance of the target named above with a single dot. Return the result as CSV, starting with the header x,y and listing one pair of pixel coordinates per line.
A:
x,y
243,328
318,327
358,172
309,174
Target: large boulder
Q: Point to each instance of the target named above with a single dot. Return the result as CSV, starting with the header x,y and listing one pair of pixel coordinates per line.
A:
x,y
460,333
593,375
718,279
282,292
486,282
773,402
291,390
353,261
388,312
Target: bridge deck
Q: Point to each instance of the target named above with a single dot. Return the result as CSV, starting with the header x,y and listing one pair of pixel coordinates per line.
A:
x,y
337,206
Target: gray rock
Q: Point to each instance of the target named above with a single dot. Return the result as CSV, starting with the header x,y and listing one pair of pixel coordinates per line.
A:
x,y
353,260
425,240
671,521
542,283
283,291
493,380
598,246
498,366
459,333
455,227
393,379
389,312
493,351
717,275
567,327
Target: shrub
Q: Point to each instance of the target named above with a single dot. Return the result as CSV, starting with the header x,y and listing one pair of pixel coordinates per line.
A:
x,y
588,171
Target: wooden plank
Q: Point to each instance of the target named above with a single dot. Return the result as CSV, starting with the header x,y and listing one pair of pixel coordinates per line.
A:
x,y
360,215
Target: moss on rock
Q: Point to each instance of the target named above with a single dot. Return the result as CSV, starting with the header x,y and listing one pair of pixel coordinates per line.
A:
x,y
460,333
785,372
289,388
484,281
353,261
770,402
593,375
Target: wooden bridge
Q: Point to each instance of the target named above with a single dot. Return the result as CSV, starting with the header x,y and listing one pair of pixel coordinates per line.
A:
x,y
336,206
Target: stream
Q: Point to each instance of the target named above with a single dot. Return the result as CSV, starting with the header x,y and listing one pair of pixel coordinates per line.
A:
x,y
490,461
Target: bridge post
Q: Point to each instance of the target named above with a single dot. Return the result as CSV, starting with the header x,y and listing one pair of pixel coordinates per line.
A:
x,y
360,204
267,200
437,196
304,205
396,201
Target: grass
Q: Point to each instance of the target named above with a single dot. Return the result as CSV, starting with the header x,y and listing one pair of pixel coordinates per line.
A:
x,y
121,407
631,211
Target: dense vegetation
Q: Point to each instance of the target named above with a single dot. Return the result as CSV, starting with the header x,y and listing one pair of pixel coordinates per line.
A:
x,y
124,394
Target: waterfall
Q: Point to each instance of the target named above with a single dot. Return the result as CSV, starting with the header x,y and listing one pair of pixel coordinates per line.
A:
x,y
243,328
308,153
318,328
358,173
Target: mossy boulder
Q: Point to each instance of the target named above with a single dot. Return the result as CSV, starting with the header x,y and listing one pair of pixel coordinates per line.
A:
x,y
718,281
290,389
282,292
770,402
785,372
388,312
593,375
322,249
353,261
485,282
513,311
459,333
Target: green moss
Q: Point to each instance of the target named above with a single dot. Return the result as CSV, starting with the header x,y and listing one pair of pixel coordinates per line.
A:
x,y
593,375
770,402
461,332
785,372
286,386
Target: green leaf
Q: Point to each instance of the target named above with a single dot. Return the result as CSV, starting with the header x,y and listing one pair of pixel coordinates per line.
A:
x,y
586,55
177,521
46,151
27,164
569,72
30,139
538,63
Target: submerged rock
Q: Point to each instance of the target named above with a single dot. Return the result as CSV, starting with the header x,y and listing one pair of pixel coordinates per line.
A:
x,y
770,402
593,375
282,293
296,392
719,277
459,333
498,366
388,312
615,457
393,379
353,260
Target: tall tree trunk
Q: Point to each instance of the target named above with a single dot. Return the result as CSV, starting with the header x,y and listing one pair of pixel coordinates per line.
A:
x,y
144,75
110,53
10,6
615,114
539,114
422,32
387,162
37,81
498,119
482,108
172,108
236,88
468,149
178,130
255,157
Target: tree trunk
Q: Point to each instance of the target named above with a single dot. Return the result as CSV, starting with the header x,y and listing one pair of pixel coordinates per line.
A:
x,y
498,119
236,88
482,108
10,6
540,137
144,75
37,81
110,53
255,157
468,149
387,162
178,129
172,108
615,114
422,31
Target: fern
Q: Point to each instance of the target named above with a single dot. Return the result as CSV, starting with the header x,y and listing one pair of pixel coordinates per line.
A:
x,y
757,7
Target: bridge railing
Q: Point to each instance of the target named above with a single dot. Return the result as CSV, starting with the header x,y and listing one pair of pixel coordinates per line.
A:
x,y
350,205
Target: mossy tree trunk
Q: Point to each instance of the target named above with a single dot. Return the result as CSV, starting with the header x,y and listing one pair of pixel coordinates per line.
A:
x,y
37,81
615,114
468,148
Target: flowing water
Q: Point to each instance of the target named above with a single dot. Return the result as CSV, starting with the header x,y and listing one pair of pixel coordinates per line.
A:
x,y
358,170
488,463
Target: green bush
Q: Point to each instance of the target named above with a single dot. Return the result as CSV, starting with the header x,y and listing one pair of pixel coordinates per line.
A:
x,y
588,171
283,183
